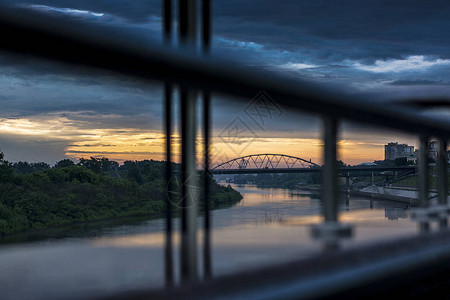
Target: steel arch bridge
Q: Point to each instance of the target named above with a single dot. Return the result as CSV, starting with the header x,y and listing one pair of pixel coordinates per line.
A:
x,y
265,161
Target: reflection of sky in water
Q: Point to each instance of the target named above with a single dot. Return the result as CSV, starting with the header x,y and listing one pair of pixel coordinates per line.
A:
x,y
268,227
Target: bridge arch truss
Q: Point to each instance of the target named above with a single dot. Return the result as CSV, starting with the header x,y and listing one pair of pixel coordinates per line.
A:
x,y
265,161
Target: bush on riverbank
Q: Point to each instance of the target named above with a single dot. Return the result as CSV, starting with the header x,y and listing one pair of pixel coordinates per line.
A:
x,y
76,193
413,181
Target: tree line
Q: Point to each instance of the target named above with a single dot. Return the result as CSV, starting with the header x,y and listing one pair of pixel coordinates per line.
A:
x,y
36,195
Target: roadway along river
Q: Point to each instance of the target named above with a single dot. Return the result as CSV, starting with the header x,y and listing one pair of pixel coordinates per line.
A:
x,y
268,226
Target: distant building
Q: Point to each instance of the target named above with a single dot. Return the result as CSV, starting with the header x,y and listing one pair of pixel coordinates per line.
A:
x,y
433,148
395,150
433,151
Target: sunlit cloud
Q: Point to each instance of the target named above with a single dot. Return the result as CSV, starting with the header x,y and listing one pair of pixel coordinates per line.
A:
x,y
237,43
64,10
80,139
81,142
414,62
308,149
298,66
126,144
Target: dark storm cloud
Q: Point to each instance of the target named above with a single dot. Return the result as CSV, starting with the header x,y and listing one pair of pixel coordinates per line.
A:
x,y
337,30
403,82
350,44
319,30
31,87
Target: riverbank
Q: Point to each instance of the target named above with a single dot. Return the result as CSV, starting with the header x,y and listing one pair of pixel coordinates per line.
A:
x,y
407,196
75,194
404,194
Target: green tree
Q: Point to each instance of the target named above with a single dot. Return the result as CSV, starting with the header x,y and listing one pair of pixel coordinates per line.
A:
x,y
64,163
6,170
23,167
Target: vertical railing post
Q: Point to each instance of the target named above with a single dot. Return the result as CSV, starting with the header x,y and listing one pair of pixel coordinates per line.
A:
x,y
207,268
206,43
167,21
168,130
167,29
443,178
330,172
423,180
330,231
190,195
347,189
189,187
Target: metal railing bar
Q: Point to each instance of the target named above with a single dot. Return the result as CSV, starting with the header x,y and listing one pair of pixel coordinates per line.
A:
x,y
61,40
423,180
330,170
206,25
207,266
168,130
167,21
189,188
206,44
330,231
167,33
188,252
370,266
443,178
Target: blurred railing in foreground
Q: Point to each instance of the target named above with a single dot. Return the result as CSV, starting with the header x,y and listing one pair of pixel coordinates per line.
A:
x,y
27,33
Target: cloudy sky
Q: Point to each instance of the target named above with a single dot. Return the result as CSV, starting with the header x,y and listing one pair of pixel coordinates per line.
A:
x,y
379,50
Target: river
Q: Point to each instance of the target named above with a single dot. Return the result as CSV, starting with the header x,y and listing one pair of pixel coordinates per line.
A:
x,y
267,227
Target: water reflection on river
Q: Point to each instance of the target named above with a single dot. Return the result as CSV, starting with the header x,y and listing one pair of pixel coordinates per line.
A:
x,y
260,209
266,227
272,225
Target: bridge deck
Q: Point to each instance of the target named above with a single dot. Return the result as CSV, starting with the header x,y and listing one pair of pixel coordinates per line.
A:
x,y
311,170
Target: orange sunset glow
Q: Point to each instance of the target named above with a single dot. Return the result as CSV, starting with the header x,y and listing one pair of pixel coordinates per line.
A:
x,y
139,144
